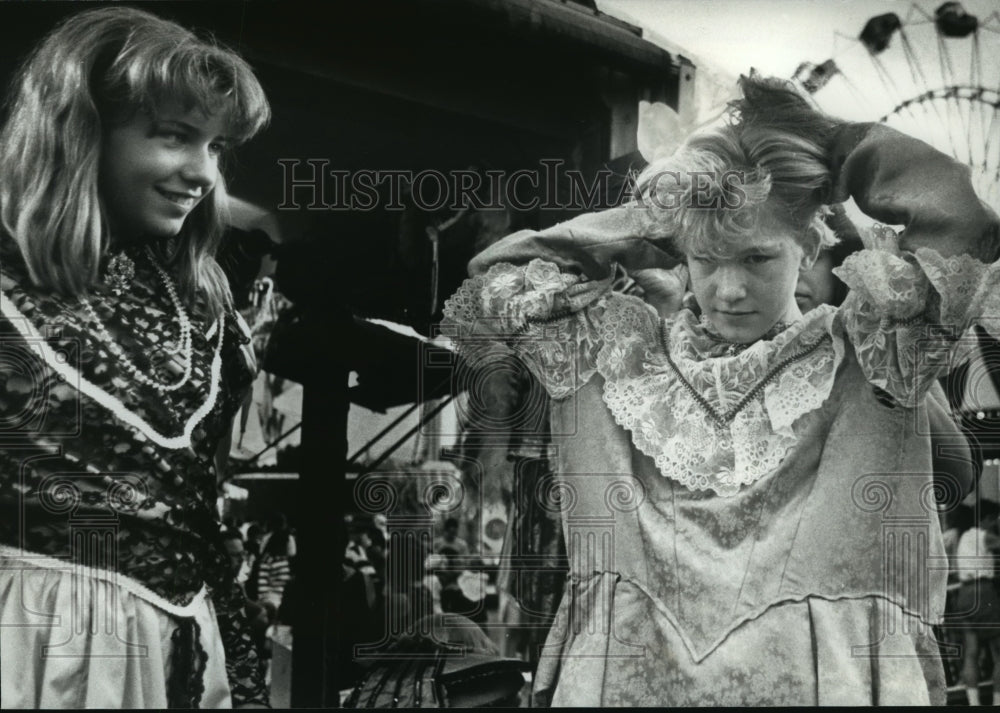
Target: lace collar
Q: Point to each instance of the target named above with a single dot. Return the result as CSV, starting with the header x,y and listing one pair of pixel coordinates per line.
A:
x,y
724,347
672,403
50,324
693,338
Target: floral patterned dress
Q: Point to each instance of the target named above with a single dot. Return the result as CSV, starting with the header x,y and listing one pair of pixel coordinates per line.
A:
x,y
754,527
105,477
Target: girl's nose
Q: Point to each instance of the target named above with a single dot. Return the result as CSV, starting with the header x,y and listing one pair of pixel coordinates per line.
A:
x,y
201,167
730,285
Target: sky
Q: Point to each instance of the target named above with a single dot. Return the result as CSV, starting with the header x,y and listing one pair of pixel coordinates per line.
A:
x,y
772,35
725,38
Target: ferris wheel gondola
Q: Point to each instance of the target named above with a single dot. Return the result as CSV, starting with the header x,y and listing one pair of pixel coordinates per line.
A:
x,y
935,75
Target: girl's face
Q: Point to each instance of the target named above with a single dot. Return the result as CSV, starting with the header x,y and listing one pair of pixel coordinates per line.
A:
x,y
752,288
156,169
816,285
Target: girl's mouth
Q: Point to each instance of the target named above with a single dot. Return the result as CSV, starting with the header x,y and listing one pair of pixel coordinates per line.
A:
x,y
184,200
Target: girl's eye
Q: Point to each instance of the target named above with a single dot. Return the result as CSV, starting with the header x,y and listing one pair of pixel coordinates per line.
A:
x,y
217,147
757,258
173,137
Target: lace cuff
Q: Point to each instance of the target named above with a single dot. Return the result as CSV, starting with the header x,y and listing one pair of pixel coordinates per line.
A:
x,y
534,311
891,282
906,313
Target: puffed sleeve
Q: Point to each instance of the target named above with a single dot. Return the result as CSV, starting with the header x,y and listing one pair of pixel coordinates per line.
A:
x,y
631,235
547,318
545,296
914,295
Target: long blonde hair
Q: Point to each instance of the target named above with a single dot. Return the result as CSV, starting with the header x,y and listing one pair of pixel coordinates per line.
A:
x,y
92,70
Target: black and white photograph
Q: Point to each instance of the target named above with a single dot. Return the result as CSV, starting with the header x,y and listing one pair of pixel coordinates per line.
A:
x,y
499,353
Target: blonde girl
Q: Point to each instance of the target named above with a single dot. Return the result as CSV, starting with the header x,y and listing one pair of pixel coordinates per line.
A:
x,y
747,495
125,363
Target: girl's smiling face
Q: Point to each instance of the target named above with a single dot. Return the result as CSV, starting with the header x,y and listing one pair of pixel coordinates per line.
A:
x,y
748,289
156,169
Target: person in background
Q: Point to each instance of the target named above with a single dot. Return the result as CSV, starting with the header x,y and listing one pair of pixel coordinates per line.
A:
x,y
451,539
358,544
462,590
381,523
275,568
978,605
956,453
259,616
254,537
433,582
238,556
819,284
277,524
957,522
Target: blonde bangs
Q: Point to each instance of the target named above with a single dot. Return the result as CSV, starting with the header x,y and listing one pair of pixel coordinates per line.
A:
x,y
199,75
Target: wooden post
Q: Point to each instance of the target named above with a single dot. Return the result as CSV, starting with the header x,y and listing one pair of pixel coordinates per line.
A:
x,y
319,515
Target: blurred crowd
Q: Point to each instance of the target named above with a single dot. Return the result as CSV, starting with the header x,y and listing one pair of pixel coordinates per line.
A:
x,y
262,557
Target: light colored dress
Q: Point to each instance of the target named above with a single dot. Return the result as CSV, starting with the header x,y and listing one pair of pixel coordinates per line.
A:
x,y
749,528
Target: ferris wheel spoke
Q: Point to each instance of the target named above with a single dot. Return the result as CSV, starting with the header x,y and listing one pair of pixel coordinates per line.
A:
x,y
945,66
991,23
911,59
934,73
920,80
990,136
976,60
888,83
915,9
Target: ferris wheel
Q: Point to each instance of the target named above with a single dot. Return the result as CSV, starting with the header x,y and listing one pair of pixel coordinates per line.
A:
x,y
934,73
931,72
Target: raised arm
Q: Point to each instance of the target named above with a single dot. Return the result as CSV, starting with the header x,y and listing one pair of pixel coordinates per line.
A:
x,y
543,295
900,180
588,244
914,294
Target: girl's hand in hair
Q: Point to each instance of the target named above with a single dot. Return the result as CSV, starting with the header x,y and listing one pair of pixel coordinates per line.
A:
x,y
663,289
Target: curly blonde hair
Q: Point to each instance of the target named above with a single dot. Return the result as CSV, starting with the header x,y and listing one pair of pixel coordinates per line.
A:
x,y
707,197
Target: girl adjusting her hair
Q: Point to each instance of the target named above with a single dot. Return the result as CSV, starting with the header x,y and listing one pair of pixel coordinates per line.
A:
x,y
127,364
747,494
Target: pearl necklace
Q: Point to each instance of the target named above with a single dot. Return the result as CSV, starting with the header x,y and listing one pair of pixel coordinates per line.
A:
x,y
184,343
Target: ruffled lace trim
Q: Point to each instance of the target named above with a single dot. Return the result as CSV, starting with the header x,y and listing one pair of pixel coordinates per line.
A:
x,y
886,278
907,312
533,311
669,424
571,330
905,317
